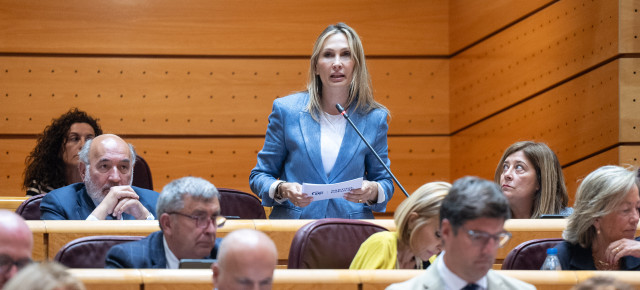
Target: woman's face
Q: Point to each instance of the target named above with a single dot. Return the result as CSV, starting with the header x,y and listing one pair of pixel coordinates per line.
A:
x,y
425,240
77,135
335,65
518,180
622,221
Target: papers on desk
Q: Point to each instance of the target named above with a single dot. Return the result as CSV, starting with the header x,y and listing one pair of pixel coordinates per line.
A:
x,y
329,191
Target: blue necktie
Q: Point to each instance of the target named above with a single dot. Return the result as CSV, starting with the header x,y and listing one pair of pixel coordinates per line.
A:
x,y
471,286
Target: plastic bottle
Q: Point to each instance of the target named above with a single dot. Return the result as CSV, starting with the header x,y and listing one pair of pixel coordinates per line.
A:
x,y
551,262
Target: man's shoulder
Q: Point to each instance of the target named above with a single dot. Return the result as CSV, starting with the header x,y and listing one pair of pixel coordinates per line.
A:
x,y
500,281
148,241
144,191
69,189
65,194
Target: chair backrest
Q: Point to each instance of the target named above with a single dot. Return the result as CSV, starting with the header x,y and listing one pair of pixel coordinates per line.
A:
x,y
91,251
241,204
329,243
30,208
142,174
529,255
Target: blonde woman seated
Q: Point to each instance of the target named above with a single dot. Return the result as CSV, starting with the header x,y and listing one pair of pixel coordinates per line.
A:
x,y
530,176
44,276
417,238
599,233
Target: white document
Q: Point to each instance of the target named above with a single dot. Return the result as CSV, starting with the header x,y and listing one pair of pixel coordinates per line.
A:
x,y
329,191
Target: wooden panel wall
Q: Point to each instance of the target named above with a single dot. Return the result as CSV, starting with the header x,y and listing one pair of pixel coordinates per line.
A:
x,y
191,83
566,75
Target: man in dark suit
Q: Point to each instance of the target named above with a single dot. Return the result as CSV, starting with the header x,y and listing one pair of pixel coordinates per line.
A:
x,y
472,220
106,167
188,211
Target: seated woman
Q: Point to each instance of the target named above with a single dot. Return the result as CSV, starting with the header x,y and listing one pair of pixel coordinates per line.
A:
x,y
44,276
417,238
599,233
530,175
53,163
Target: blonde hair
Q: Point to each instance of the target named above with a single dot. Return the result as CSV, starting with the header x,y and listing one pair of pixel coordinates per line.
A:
x,y
598,195
425,202
360,91
44,276
552,197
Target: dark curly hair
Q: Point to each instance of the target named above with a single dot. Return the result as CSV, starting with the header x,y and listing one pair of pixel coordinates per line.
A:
x,y
45,164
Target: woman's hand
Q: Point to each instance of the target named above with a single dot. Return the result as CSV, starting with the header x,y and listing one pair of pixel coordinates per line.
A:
x,y
368,192
293,192
620,248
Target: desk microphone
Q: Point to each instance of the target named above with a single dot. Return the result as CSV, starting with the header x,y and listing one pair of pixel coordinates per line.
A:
x,y
344,114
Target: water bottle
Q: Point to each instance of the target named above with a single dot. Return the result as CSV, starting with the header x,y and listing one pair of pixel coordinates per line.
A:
x,y
551,262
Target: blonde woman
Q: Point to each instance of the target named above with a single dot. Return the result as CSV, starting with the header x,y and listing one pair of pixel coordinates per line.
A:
x,y
417,238
307,139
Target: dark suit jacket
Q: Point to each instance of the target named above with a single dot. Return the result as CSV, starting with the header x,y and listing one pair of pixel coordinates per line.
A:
x,y
575,257
73,203
145,253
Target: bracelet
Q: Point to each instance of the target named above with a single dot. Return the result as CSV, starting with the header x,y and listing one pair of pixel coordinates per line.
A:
x,y
278,194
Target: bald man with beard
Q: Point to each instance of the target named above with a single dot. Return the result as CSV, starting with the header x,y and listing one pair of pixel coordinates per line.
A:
x,y
16,243
106,167
246,260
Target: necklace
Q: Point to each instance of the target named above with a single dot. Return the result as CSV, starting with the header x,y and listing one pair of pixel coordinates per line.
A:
x,y
601,265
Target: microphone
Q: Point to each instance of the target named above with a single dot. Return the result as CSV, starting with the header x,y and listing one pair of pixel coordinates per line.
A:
x,y
344,114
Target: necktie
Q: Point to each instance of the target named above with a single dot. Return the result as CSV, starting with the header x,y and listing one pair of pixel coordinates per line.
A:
x,y
471,286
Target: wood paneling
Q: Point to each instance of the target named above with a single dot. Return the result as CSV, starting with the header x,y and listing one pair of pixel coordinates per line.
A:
x,y
576,119
542,51
473,20
231,96
203,27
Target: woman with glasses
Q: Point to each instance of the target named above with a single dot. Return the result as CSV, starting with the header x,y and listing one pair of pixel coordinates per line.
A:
x,y
530,175
600,232
53,163
417,238
308,141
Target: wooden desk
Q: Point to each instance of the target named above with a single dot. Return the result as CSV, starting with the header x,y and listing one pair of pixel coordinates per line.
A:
x,y
11,202
313,279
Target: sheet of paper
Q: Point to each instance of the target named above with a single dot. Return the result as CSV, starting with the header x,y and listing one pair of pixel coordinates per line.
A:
x,y
329,191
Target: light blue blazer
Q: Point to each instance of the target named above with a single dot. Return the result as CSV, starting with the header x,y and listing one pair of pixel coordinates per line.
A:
x,y
291,152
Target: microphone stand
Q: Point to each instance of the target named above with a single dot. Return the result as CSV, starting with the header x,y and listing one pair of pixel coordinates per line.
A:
x,y
344,114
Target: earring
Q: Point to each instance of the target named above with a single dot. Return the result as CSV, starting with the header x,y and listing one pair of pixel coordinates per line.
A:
x,y
598,231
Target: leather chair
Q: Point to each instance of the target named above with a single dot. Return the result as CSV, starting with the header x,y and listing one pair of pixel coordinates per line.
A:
x,y
90,252
329,243
240,204
529,255
142,174
30,208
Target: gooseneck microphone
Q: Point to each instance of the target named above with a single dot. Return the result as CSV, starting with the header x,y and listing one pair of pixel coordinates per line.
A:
x,y
344,114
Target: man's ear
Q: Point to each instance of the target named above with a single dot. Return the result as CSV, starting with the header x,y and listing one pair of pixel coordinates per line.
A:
x,y
446,231
82,168
165,223
216,273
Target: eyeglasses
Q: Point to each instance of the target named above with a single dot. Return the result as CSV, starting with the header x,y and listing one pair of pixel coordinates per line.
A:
x,y
7,262
480,238
202,221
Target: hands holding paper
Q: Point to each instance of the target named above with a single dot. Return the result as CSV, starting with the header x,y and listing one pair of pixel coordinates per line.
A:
x,y
293,192
369,191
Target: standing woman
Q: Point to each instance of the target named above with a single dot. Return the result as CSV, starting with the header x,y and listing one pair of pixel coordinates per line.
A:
x,y
307,140
53,163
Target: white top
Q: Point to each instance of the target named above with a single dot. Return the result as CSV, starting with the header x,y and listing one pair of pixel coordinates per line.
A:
x,y
331,134
172,260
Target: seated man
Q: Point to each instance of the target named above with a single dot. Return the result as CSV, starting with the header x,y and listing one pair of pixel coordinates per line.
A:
x,y
106,166
189,215
472,220
246,260
16,244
